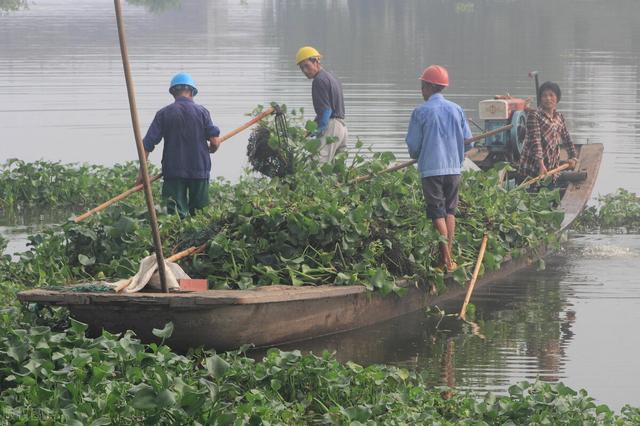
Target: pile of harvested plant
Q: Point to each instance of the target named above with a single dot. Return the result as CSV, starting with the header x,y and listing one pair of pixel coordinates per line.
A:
x,y
310,227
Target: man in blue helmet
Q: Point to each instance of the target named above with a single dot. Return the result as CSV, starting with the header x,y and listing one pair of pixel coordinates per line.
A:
x,y
189,137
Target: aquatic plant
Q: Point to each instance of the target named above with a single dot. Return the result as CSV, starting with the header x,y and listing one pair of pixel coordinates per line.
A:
x,y
67,378
3,244
13,5
311,227
52,185
618,211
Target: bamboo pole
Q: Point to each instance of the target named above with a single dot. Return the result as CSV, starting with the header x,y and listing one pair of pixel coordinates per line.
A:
x,y
146,182
137,188
474,277
248,124
114,200
538,178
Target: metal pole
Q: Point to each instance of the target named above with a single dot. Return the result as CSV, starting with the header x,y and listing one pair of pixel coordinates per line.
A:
x,y
534,74
148,195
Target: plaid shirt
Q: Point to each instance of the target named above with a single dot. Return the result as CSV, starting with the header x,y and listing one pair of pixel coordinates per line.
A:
x,y
544,135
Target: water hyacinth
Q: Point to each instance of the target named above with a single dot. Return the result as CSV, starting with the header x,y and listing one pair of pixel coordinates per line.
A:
x,y
619,211
67,378
44,185
313,226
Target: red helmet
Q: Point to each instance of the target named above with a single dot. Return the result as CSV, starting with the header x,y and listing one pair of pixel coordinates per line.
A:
x,y
435,74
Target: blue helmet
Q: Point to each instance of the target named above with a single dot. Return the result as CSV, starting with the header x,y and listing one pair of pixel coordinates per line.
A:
x,y
183,79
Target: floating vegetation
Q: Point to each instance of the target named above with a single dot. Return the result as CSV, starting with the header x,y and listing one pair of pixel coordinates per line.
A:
x,y
619,212
49,185
67,378
13,5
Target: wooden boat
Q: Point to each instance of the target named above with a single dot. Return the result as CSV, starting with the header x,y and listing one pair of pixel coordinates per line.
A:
x,y
266,316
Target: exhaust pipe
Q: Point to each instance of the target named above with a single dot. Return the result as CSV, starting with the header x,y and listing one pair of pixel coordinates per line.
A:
x,y
534,74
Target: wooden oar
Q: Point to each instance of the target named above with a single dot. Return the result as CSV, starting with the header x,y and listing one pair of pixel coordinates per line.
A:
x,y
411,162
474,277
137,188
538,178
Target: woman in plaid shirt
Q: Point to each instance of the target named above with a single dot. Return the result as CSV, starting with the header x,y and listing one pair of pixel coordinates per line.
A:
x,y
546,130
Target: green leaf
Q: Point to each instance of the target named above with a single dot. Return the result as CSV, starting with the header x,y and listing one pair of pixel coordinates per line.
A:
x,y
164,333
216,366
86,260
101,421
144,398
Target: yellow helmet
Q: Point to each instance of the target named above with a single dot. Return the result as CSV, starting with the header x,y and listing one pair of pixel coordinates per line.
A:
x,y
307,52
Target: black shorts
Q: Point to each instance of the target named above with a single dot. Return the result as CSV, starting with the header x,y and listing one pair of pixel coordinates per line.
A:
x,y
441,195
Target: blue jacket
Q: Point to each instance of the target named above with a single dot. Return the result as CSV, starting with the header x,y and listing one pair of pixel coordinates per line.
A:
x,y
436,135
185,127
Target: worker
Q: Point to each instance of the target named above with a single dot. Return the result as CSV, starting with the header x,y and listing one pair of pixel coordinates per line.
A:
x,y
546,131
189,137
328,103
435,138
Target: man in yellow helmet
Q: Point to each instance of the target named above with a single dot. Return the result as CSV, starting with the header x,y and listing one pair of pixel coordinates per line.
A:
x,y
328,103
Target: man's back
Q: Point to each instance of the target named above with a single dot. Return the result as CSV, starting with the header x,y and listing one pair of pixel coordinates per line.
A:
x,y
185,127
326,92
436,136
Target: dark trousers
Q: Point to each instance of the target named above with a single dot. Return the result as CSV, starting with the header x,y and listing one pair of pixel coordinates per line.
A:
x,y
185,196
441,195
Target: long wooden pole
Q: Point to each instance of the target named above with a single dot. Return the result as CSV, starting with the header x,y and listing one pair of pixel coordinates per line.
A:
x,y
474,277
137,188
411,162
114,200
146,182
540,177
248,124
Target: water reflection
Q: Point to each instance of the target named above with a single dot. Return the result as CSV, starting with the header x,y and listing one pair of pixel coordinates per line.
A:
x,y
548,325
157,6
524,326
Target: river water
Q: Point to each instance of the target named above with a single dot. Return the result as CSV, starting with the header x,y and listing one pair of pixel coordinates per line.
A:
x,y
63,99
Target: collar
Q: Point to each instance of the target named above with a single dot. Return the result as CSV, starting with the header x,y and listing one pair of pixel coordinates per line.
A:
x,y
183,99
553,115
318,73
435,97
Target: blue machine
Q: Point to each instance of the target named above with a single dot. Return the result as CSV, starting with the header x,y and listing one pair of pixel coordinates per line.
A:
x,y
499,112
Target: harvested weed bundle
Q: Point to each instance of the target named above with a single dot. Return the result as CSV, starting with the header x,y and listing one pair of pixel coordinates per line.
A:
x,y
268,155
272,155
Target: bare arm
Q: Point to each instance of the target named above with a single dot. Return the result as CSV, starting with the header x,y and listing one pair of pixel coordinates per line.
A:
x,y
214,144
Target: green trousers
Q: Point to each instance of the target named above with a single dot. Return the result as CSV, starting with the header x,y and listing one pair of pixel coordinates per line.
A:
x,y
185,196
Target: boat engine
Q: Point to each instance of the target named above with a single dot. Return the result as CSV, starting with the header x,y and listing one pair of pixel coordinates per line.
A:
x,y
501,111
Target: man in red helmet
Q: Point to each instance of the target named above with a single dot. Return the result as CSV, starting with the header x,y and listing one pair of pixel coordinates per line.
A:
x,y
435,138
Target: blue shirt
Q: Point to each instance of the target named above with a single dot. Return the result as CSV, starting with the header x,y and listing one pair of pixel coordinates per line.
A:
x,y
436,136
185,127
